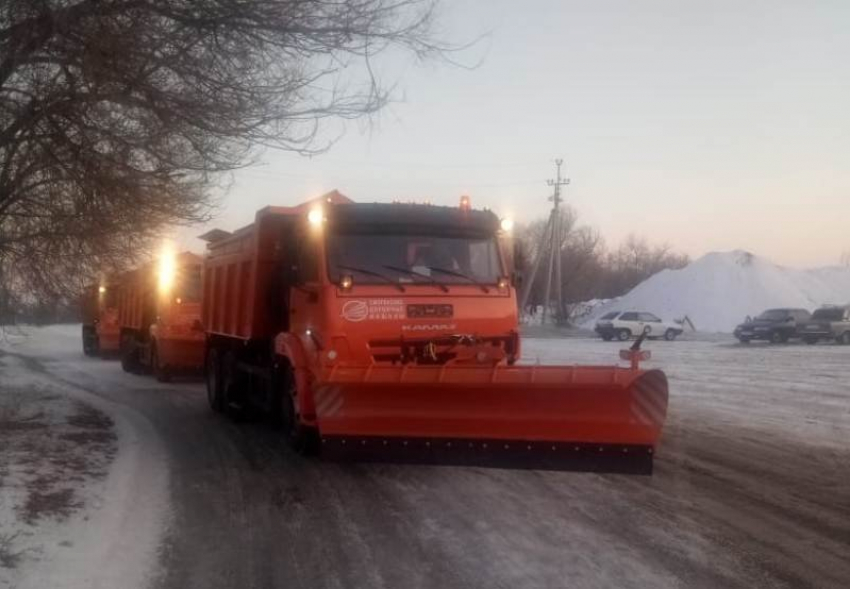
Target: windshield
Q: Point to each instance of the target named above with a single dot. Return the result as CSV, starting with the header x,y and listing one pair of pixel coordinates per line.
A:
x,y
409,259
773,315
610,315
829,314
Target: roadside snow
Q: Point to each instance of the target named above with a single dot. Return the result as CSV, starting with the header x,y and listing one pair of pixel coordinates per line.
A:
x,y
720,289
107,532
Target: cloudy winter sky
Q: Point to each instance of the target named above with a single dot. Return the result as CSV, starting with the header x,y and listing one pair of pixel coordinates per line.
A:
x,y
714,125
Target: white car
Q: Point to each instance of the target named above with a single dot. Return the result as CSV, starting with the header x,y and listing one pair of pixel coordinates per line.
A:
x,y
625,325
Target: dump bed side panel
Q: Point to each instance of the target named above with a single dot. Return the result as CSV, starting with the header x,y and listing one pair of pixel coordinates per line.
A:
x,y
241,276
135,298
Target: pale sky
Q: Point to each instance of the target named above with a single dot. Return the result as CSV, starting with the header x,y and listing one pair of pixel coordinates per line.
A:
x,y
711,125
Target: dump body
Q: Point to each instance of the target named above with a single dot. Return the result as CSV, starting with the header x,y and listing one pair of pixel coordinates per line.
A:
x,y
396,329
99,313
159,317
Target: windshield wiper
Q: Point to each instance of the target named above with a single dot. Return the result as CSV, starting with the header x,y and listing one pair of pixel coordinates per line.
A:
x,y
371,273
459,275
442,287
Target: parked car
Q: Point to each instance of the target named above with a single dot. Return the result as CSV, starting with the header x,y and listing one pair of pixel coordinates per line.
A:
x,y
774,325
827,323
624,325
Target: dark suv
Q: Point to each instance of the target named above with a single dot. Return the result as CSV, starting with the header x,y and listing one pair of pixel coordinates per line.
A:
x,y
827,323
774,325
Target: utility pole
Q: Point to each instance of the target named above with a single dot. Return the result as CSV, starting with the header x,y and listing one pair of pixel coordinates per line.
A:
x,y
550,242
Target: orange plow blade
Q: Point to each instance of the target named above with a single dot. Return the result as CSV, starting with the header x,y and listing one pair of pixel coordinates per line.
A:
x,y
605,419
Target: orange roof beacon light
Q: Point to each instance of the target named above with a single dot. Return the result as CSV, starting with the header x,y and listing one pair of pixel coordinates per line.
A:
x,y
465,203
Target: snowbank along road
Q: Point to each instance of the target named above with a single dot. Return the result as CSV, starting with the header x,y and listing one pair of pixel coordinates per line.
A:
x,y
750,488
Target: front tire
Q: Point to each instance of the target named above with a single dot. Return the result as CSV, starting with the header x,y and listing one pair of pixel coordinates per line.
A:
x,y
670,335
129,354
301,438
624,335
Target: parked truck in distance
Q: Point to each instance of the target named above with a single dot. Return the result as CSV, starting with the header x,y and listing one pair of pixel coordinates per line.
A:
x,y
101,334
830,323
389,332
159,310
774,325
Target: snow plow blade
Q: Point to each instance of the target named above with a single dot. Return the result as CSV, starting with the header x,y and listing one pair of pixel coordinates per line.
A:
x,y
585,418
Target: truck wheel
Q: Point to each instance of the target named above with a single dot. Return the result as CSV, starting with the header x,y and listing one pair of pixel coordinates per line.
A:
x,y
301,438
232,388
845,338
607,337
810,340
670,335
212,371
744,340
623,334
90,347
129,354
160,372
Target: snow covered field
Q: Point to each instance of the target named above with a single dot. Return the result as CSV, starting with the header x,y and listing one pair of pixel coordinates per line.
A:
x,y
749,491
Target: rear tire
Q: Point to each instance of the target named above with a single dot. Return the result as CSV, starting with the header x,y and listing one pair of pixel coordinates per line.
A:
x,y
90,344
670,335
607,338
212,372
129,354
810,340
623,334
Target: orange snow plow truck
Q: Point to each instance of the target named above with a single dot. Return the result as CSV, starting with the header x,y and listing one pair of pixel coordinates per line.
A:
x,y
159,311
389,332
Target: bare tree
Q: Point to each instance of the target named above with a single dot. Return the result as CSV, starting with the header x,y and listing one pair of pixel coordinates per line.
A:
x,y
118,116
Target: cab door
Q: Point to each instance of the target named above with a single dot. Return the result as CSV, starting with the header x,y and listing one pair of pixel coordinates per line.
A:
x,y
305,292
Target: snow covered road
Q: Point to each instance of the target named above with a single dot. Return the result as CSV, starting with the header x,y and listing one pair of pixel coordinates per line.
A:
x,y
750,488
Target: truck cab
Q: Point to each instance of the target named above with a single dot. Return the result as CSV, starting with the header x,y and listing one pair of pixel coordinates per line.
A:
x,y
389,283
159,315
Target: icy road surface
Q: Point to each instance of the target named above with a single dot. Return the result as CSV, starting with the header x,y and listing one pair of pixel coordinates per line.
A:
x,y
751,487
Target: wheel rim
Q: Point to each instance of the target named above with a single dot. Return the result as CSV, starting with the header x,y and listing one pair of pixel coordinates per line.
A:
x,y
624,335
